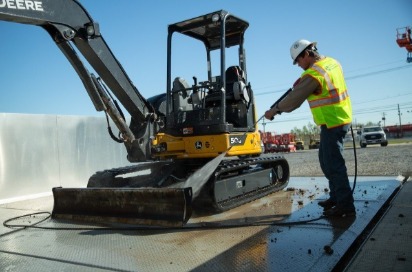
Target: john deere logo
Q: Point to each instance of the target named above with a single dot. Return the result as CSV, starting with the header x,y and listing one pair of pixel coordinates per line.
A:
x,y
198,145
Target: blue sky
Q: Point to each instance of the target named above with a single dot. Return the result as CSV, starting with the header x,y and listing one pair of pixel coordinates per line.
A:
x,y
37,79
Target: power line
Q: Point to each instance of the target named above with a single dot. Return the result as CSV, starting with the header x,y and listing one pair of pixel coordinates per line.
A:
x,y
392,107
379,72
383,98
374,66
347,78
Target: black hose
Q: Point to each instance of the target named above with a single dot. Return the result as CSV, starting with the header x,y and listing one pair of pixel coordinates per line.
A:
x,y
7,225
201,226
356,160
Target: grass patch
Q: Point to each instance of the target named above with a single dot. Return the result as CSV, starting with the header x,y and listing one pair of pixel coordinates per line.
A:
x,y
400,141
390,141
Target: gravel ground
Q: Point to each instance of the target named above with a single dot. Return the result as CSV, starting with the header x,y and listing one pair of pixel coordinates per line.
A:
x,y
391,160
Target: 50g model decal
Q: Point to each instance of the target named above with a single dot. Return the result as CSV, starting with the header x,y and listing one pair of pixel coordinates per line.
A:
x,y
237,140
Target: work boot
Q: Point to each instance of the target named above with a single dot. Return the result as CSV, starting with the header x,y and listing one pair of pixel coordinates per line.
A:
x,y
339,212
327,204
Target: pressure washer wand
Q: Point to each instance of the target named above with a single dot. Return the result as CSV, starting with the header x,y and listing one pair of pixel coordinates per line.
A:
x,y
274,104
284,95
261,117
280,99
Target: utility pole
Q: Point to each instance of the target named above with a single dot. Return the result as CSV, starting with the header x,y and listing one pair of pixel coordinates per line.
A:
x,y
263,124
383,119
400,123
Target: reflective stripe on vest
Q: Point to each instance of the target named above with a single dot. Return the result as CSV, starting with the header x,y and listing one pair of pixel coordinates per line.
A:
x,y
333,99
325,75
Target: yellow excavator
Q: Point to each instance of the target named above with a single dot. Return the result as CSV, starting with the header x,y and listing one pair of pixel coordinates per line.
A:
x,y
196,147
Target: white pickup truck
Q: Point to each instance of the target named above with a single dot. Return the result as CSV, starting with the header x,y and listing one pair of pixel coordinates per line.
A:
x,y
372,135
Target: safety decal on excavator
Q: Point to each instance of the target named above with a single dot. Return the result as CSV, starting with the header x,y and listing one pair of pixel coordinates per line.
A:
x,y
237,140
188,130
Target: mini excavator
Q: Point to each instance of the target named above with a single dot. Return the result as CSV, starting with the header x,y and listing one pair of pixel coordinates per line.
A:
x,y
170,136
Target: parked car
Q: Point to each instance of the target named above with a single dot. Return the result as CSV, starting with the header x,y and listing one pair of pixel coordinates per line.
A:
x,y
372,135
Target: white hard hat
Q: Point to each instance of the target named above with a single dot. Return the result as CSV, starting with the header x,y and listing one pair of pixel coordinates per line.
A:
x,y
298,47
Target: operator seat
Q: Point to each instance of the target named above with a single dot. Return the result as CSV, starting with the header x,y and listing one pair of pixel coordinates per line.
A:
x,y
236,84
180,95
237,97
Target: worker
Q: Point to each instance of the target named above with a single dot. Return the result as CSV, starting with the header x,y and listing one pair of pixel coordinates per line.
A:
x,y
323,85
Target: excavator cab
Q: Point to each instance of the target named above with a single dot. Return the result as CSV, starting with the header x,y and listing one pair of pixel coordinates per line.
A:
x,y
221,106
223,91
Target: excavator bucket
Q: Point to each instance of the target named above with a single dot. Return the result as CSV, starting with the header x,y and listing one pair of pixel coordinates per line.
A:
x,y
169,207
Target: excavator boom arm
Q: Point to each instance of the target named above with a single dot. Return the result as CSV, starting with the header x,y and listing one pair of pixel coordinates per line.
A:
x,y
68,22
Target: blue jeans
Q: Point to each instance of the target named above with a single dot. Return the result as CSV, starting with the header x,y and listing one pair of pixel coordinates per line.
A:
x,y
333,165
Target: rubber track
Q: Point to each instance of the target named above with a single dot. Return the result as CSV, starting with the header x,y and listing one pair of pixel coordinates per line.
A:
x,y
207,199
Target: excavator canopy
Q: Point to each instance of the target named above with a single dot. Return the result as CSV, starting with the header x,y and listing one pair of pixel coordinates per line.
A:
x,y
207,29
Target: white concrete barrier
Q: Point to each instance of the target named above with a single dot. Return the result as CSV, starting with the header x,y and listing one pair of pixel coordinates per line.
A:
x,y
39,152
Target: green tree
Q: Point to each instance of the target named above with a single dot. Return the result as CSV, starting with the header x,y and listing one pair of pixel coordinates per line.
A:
x,y
313,129
298,132
306,132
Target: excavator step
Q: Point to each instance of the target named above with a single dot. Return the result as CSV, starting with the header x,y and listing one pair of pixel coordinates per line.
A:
x,y
169,207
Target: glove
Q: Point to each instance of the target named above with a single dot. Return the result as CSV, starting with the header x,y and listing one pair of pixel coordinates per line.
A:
x,y
269,115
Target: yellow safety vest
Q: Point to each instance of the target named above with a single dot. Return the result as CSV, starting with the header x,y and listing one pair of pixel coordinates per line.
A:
x,y
331,107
